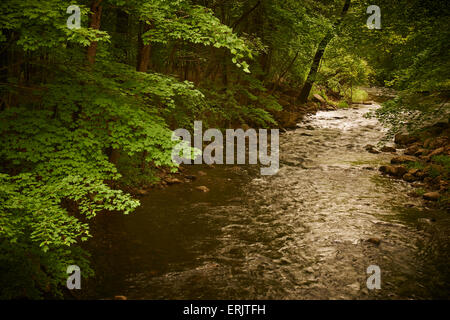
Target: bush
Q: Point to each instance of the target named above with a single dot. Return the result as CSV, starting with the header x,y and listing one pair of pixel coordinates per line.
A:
x,y
342,104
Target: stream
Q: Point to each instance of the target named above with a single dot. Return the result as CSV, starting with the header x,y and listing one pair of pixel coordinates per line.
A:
x,y
308,232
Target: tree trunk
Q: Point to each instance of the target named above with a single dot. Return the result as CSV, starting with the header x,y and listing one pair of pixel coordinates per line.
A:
x,y
113,155
144,52
96,17
245,15
275,86
303,97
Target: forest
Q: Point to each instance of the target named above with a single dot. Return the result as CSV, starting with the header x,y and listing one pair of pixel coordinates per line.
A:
x,y
87,112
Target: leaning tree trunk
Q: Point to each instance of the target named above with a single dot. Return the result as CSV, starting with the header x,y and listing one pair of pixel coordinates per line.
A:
x,y
303,97
96,17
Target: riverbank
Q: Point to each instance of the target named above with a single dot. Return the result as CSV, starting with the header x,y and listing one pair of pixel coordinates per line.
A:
x,y
424,161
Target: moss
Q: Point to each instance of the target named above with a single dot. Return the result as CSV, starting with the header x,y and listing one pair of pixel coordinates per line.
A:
x,y
444,161
420,191
342,104
415,165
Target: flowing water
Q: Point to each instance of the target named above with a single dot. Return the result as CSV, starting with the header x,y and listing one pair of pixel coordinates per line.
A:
x,y
308,232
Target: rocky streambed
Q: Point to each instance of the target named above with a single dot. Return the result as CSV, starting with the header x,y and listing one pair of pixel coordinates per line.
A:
x,y
308,232
424,163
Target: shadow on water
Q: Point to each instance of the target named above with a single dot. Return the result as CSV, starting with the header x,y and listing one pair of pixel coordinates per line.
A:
x,y
308,232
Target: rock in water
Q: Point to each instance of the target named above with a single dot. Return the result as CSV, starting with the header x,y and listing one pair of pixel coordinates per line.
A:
x,y
409,177
388,149
142,192
371,149
202,189
375,241
403,159
404,139
432,196
436,152
396,171
173,181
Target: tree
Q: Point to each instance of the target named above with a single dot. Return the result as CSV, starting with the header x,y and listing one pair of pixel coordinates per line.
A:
x,y
303,97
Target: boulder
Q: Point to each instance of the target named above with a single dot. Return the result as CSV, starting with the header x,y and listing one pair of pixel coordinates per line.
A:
x,y
421,174
142,192
437,152
371,149
375,241
443,185
403,159
384,169
388,149
404,139
399,171
432,196
411,150
438,142
421,152
319,98
396,171
202,189
171,181
428,142
409,177
418,185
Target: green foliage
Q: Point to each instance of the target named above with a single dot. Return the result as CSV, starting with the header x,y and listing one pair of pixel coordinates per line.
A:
x,y
413,58
27,272
27,20
342,104
444,161
132,173
237,105
358,95
412,111
183,21
343,72
415,165
61,120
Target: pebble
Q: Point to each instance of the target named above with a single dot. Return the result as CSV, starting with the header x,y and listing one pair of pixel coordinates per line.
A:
x,y
375,241
202,189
